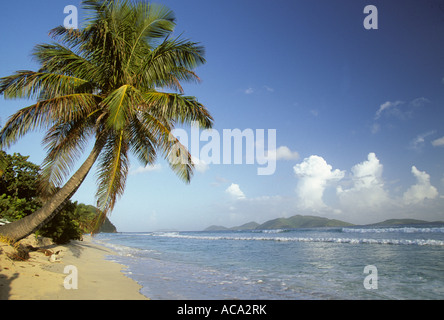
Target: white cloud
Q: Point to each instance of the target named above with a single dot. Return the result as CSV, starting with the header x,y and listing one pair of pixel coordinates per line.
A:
x,y
314,174
283,153
391,108
368,173
421,190
265,88
200,165
388,105
368,186
418,142
235,191
438,142
419,102
141,169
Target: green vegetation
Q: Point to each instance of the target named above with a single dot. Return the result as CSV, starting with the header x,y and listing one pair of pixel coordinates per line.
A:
x,y
19,198
299,221
18,187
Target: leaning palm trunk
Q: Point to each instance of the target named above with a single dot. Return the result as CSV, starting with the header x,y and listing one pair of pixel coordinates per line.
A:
x,y
22,228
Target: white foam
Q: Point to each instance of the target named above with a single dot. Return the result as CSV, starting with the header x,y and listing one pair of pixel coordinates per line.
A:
x,y
312,239
273,230
394,230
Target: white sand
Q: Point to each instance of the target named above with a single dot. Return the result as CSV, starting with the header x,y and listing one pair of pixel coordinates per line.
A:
x,y
39,279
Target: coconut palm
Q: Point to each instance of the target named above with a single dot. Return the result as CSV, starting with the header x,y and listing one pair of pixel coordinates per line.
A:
x,y
116,81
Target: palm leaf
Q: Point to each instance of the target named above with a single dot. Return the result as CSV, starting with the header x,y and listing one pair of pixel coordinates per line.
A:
x,y
151,22
55,58
117,104
183,109
44,113
169,59
112,170
64,143
30,84
143,140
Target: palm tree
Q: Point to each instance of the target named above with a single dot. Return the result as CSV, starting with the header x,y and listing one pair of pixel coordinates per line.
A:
x,y
106,82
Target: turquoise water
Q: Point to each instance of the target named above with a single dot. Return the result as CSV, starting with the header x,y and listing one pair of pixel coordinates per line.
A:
x,y
315,263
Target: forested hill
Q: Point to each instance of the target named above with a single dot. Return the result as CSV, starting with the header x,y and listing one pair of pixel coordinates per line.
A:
x,y
297,221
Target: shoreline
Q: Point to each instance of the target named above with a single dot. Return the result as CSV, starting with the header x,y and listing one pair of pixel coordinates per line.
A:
x,y
40,279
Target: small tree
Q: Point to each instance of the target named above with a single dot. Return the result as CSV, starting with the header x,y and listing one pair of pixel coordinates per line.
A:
x,y
64,226
18,187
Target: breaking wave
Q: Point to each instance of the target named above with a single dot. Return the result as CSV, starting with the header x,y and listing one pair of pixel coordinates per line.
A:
x,y
420,242
394,230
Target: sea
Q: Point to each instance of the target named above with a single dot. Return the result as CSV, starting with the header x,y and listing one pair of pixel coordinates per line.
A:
x,y
351,263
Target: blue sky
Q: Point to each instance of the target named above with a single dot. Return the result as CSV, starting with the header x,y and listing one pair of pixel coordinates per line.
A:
x,y
358,113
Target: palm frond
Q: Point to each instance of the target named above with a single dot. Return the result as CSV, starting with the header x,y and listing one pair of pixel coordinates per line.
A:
x,y
113,165
177,155
55,58
183,109
149,22
168,59
117,104
143,140
179,159
64,143
30,84
44,113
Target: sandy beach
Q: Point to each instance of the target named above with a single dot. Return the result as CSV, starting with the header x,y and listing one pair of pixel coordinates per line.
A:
x,y
39,278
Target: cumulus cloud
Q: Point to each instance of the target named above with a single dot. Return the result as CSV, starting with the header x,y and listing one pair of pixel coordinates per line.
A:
x,y
235,191
421,190
368,187
314,174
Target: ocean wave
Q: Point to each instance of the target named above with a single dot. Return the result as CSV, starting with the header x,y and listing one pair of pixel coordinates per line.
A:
x,y
272,231
420,242
395,230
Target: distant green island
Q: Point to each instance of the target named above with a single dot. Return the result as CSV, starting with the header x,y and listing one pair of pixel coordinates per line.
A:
x,y
302,221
